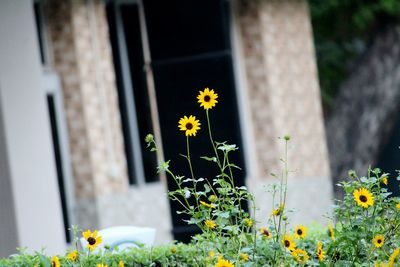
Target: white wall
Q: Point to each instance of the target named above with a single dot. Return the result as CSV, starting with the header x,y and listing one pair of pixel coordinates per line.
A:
x,y
27,133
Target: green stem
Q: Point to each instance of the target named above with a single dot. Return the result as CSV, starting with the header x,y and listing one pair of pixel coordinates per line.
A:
x,y
188,157
212,140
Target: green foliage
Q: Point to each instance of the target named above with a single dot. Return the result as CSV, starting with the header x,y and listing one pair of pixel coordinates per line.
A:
x,y
230,236
342,29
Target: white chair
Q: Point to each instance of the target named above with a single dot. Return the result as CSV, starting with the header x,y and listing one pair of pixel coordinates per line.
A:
x,y
124,237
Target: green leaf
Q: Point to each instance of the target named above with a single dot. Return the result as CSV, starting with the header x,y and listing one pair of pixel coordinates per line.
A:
x,y
214,159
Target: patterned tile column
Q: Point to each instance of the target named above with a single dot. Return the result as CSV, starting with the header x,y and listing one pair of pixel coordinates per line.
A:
x,y
285,99
82,57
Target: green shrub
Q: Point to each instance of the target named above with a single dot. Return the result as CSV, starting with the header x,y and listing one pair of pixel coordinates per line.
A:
x,y
363,230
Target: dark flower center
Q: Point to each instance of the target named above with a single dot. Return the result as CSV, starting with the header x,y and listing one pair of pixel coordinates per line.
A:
x,y
266,233
53,264
379,241
91,241
207,98
363,198
299,232
189,126
287,243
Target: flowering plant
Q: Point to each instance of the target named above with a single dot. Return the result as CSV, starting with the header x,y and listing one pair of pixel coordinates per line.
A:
x,y
363,230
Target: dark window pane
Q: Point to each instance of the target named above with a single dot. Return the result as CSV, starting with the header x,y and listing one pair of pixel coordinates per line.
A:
x,y
59,163
37,7
130,22
130,17
180,28
121,100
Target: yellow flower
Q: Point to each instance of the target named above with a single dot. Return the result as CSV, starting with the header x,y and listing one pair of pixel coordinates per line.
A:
x,y
211,254
393,257
248,222
73,255
121,264
331,232
363,197
207,98
398,206
55,262
92,238
173,250
385,180
189,125
320,251
378,241
223,263
101,265
205,204
300,231
288,242
210,224
278,211
300,255
244,257
265,232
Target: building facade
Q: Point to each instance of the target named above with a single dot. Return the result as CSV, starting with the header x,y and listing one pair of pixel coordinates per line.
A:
x,y
82,82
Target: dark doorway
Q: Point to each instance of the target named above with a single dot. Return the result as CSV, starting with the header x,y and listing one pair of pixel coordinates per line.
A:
x,y
190,48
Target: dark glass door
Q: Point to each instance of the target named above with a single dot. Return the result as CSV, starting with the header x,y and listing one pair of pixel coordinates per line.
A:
x,y
190,48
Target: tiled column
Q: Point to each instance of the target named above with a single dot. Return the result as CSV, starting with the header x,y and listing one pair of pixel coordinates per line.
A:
x,y
82,57
284,94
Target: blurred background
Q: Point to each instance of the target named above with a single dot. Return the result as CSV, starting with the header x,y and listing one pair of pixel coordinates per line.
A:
x,y
83,81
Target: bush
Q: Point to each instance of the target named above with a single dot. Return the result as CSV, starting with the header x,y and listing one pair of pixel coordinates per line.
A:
x,y
364,228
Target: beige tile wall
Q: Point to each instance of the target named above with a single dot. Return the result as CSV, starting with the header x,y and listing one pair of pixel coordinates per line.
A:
x,y
283,91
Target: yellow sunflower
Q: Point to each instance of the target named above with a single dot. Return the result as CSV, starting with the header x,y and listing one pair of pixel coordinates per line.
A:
x,y
278,211
385,180
92,238
248,222
300,255
121,264
73,255
210,224
205,204
331,232
320,251
223,263
378,241
207,98
300,231
393,257
288,242
244,257
55,262
189,125
101,265
398,206
265,232
363,197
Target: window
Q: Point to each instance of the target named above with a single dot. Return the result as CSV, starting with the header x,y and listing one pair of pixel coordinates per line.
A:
x,y
53,94
133,96
190,47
